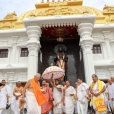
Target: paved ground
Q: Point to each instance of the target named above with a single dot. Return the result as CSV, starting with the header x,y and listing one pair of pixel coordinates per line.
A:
x,y
8,111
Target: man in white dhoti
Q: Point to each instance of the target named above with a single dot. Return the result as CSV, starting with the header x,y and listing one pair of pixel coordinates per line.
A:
x,y
68,98
34,96
17,92
57,95
63,107
82,97
97,89
112,79
75,106
110,93
3,96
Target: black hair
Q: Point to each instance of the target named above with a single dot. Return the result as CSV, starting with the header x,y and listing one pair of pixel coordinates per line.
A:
x,y
80,78
68,81
3,80
0,84
63,81
95,75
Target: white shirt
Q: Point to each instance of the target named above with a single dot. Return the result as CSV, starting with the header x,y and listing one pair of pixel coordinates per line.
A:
x,y
110,90
81,91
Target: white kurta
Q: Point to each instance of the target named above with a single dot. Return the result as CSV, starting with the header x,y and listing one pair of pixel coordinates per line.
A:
x,y
96,90
57,95
69,105
82,103
32,105
110,92
3,98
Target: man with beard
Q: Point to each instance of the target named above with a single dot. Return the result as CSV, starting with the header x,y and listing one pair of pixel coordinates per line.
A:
x,y
17,92
46,107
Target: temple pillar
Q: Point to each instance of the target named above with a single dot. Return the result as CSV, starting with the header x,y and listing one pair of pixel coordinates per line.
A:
x,y
33,44
108,45
13,50
86,43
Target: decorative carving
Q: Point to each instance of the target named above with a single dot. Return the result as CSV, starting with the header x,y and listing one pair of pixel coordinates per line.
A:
x,y
108,9
59,32
22,76
4,42
58,8
11,16
56,4
10,76
22,40
13,76
104,72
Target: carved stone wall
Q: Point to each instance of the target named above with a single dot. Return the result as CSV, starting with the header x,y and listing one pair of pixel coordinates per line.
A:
x,y
13,75
104,73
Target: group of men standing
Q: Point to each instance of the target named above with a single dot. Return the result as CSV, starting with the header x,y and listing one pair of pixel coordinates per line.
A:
x,y
59,99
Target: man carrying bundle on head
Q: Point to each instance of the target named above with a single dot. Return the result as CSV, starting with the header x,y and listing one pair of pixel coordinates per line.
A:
x,y
57,95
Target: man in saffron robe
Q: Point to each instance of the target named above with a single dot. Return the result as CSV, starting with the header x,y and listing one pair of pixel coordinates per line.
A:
x,y
97,89
34,97
47,107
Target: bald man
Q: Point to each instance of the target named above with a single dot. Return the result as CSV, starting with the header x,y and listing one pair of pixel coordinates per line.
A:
x,y
34,97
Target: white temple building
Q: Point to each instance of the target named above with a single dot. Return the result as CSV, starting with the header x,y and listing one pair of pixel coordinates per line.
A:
x,y
24,41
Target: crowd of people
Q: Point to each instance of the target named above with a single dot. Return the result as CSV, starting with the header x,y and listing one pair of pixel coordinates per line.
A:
x,y
55,98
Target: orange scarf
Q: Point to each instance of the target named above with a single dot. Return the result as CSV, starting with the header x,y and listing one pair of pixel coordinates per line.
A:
x,y
41,99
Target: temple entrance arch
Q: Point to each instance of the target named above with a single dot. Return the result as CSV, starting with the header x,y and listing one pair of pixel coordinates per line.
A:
x,y
66,48
34,30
